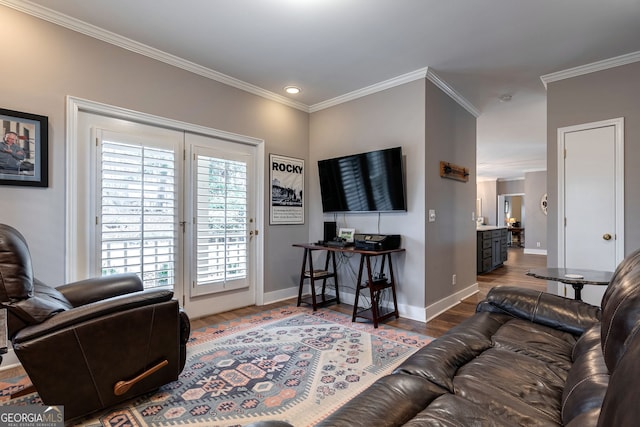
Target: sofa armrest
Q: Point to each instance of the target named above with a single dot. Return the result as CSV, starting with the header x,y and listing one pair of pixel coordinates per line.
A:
x,y
544,308
91,311
99,288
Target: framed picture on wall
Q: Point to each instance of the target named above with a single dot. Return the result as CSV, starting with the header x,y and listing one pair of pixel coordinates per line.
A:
x,y
287,190
24,149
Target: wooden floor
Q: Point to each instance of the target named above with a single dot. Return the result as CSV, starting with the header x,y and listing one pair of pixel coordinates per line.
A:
x,y
512,273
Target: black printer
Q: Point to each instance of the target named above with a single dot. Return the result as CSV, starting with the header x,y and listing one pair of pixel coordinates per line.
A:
x,y
376,242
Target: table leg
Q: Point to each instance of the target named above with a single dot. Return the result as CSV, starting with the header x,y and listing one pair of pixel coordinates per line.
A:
x,y
577,287
312,282
326,268
304,263
307,257
393,288
335,278
358,285
375,295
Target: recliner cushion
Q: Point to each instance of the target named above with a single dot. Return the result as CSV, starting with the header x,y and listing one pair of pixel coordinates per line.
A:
x,y
450,410
544,308
620,406
439,361
390,401
16,273
45,302
588,378
541,342
516,387
621,314
94,310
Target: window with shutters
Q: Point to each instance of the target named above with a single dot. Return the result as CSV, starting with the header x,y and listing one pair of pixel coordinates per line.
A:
x,y
138,212
221,223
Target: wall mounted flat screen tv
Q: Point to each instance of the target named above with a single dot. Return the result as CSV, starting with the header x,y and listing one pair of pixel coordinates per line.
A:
x,y
367,182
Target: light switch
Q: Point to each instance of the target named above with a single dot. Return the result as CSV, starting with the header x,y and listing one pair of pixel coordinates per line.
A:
x,y
432,215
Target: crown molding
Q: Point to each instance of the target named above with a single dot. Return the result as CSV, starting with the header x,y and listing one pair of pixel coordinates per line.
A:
x,y
446,88
153,53
142,49
421,73
368,90
591,68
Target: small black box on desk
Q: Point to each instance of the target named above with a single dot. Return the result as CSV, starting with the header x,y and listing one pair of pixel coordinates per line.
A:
x,y
377,242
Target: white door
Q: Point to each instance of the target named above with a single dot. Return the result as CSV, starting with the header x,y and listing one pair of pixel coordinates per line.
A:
x,y
592,203
221,225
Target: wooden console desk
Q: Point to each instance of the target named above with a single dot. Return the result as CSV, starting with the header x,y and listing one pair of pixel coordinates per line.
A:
x,y
375,282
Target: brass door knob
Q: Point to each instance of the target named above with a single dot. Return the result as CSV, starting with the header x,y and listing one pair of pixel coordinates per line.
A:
x,y
607,236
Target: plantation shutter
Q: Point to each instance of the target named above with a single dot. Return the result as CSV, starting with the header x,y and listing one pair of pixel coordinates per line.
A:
x,y
138,210
221,192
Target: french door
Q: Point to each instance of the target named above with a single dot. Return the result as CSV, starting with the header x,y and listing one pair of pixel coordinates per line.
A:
x,y
220,223
175,207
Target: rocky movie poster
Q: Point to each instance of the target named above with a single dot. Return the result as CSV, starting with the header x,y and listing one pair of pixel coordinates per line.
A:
x,y
287,186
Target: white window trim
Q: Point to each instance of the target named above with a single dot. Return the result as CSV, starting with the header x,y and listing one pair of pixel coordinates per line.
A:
x,y
74,106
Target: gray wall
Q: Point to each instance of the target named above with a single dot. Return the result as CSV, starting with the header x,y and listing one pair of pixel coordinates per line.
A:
x,y
588,98
430,127
450,241
513,186
535,185
43,63
488,193
394,117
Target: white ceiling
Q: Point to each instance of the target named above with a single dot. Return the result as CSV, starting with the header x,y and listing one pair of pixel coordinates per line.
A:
x,y
331,48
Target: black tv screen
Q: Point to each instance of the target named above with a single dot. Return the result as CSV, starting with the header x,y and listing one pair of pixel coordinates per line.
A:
x,y
367,182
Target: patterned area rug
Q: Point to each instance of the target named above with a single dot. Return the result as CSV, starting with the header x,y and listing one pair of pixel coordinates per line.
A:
x,y
287,364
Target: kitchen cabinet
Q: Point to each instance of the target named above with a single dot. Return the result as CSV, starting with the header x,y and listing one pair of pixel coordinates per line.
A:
x,y
492,248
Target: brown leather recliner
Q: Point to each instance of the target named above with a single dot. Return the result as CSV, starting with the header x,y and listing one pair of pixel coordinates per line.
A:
x,y
91,344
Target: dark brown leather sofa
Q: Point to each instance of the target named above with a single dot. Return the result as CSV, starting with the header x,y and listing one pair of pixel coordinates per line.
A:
x,y
525,358
90,344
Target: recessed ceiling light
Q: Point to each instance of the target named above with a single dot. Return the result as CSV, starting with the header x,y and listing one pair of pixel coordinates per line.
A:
x,y
292,90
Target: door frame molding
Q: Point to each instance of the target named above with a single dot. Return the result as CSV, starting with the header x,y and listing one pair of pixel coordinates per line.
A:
x,y
75,105
618,124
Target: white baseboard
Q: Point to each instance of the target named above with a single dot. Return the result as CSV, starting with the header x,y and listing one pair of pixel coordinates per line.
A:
x,y
420,314
445,304
535,251
9,360
280,295
406,311
412,312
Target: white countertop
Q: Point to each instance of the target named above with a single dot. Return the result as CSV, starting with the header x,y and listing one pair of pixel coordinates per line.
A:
x,y
488,227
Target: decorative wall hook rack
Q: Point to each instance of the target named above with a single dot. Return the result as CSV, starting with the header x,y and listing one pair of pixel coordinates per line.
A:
x,y
451,171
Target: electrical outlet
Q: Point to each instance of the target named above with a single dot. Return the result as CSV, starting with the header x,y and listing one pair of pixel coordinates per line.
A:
x,y
432,215
538,244
453,280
